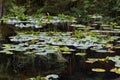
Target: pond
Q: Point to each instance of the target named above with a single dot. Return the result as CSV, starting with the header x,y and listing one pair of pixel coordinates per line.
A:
x,y
72,55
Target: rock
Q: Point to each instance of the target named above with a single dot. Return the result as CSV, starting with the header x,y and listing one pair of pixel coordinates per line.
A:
x,y
6,31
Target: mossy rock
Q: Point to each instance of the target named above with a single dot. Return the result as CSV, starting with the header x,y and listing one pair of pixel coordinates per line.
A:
x,y
6,31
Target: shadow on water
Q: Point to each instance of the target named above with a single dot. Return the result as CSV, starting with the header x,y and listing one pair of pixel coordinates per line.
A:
x,y
20,67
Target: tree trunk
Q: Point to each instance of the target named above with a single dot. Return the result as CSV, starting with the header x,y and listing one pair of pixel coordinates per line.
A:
x,y
1,8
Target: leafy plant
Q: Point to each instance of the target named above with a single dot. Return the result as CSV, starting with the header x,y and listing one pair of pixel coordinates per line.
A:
x,y
17,10
78,34
62,17
113,24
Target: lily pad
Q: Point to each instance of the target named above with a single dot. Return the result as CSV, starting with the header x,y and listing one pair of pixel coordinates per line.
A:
x,y
113,70
101,51
55,76
9,52
64,49
3,51
80,54
111,51
42,53
117,71
88,61
117,47
67,53
98,70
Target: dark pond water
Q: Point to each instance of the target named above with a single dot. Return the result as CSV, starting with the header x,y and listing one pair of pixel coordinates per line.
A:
x,y
19,66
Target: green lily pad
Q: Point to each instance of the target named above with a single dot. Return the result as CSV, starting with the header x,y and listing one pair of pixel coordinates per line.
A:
x,y
98,70
64,49
67,53
9,52
80,54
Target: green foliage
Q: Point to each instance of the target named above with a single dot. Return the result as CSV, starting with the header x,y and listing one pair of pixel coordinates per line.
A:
x,y
63,17
56,6
38,15
78,34
7,5
77,8
17,10
81,34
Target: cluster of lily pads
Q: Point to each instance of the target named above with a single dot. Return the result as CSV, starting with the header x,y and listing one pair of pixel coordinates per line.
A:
x,y
115,68
38,21
115,59
101,45
57,39
50,42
